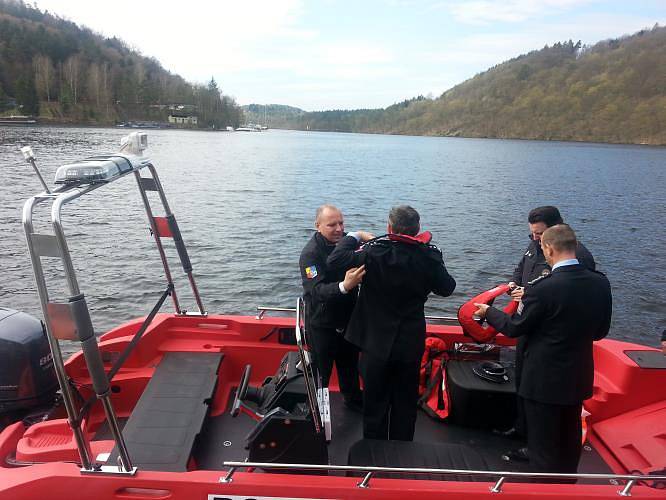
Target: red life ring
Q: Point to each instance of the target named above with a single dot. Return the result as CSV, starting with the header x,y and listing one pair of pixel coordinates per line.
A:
x,y
473,327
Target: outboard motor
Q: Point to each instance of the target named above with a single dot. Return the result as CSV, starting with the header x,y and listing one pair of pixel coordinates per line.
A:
x,y
27,376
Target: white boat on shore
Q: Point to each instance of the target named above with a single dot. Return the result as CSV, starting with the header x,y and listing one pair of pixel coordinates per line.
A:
x,y
17,120
250,127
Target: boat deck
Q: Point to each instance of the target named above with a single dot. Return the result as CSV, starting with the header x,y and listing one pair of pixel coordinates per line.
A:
x,y
222,439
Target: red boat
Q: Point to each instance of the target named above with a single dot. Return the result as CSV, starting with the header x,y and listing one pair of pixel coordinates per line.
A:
x,y
194,405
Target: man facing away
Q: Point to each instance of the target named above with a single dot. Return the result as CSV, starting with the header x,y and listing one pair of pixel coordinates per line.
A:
x,y
560,315
388,322
329,298
531,266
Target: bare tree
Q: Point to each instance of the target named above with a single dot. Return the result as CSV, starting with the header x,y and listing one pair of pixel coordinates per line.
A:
x,y
93,84
44,75
72,69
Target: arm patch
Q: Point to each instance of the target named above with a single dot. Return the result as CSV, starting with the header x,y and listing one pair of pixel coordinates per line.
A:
x,y
311,272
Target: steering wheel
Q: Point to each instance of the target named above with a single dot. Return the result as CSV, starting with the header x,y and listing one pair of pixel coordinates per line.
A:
x,y
241,391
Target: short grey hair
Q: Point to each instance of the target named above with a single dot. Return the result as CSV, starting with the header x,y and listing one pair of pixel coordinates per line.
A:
x,y
405,220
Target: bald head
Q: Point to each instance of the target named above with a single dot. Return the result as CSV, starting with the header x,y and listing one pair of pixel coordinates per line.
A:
x,y
330,223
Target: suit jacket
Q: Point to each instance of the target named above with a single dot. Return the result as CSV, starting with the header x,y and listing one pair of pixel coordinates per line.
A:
x,y
326,305
561,315
388,320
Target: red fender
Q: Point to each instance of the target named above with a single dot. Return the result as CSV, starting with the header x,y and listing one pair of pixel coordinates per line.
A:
x,y
472,327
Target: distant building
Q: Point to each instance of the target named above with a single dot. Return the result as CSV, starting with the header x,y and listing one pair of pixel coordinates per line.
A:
x,y
183,108
183,119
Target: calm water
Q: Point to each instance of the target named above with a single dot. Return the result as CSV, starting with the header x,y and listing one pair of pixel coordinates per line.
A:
x,y
245,204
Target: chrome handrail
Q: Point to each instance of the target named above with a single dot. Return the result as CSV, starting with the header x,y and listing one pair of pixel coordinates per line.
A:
x,y
262,310
496,488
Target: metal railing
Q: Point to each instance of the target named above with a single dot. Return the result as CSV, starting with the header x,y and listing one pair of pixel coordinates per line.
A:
x,y
496,488
262,310
70,319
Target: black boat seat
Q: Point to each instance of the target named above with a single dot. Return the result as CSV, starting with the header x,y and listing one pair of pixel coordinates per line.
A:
x,y
161,430
377,453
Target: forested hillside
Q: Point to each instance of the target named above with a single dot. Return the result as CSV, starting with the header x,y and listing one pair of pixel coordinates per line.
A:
x,y
271,115
614,91
53,69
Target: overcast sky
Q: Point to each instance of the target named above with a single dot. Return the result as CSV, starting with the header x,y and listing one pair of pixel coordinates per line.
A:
x,y
329,54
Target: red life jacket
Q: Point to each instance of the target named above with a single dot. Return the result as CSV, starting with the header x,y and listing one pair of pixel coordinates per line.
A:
x,y
472,327
425,237
434,399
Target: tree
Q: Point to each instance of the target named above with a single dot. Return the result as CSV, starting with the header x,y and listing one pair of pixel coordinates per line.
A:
x,y
72,70
44,75
3,99
26,95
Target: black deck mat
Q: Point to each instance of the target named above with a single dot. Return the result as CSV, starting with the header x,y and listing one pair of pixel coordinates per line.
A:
x,y
223,439
165,422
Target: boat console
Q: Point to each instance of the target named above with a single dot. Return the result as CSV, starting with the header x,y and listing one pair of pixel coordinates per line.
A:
x,y
291,408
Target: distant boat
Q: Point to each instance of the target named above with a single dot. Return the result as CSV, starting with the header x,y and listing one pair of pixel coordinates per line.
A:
x,y
249,128
17,120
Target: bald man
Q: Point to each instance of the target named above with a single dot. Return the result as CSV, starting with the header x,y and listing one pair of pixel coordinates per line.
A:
x,y
329,300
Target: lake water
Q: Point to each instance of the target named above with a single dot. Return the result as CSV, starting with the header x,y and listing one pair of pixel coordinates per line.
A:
x,y
245,204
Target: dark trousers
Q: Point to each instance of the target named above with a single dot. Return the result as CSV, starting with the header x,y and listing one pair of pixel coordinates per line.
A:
x,y
554,434
330,346
390,392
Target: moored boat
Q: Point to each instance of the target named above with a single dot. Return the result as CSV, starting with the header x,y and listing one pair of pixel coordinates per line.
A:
x,y
17,120
198,405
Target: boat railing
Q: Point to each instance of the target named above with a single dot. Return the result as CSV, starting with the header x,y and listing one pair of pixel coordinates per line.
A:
x,y
501,476
262,310
70,319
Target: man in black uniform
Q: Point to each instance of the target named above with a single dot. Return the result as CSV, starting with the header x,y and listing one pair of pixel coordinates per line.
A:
x,y
533,265
388,322
329,299
561,314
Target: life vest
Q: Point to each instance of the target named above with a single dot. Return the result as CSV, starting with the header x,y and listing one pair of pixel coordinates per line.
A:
x,y
473,327
425,237
434,399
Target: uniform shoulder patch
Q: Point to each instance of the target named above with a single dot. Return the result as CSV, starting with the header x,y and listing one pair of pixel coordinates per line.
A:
x,y
539,279
311,272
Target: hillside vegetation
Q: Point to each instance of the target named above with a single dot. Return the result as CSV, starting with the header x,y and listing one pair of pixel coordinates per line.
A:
x,y
614,91
272,115
52,68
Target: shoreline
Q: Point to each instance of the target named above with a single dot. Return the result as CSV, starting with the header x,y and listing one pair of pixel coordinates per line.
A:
x,y
68,124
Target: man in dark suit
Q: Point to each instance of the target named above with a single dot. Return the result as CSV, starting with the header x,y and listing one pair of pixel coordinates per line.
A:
x,y
388,321
329,299
532,265
561,314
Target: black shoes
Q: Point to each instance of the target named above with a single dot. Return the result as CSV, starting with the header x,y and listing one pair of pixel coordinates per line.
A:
x,y
517,455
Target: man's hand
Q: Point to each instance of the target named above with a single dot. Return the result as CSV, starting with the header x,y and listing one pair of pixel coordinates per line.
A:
x,y
365,236
482,310
517,293
353,277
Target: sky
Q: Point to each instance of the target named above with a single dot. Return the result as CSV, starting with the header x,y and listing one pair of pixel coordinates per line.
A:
x,y
339,54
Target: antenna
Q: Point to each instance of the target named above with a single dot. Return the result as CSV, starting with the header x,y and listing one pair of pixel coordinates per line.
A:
x,y
30,158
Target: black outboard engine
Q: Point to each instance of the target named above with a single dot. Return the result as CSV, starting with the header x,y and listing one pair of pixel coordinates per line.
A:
x,y
27,376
